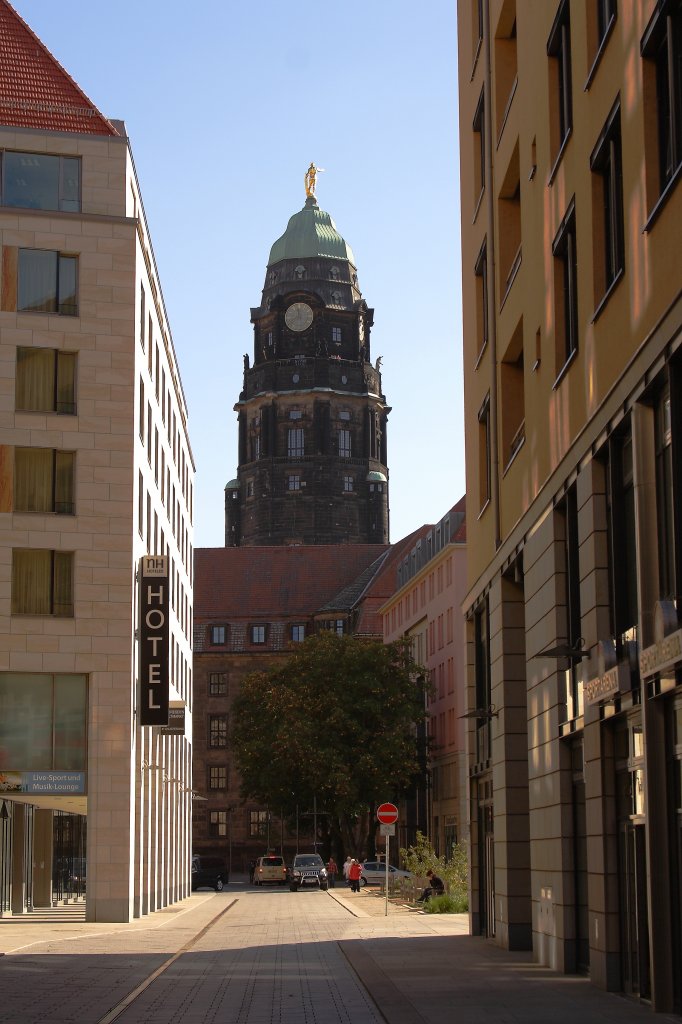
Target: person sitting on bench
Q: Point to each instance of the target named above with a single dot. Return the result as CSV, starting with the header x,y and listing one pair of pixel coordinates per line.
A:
x,y
436,887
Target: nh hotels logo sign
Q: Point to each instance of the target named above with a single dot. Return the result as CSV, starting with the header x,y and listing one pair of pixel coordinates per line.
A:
x,y
154,640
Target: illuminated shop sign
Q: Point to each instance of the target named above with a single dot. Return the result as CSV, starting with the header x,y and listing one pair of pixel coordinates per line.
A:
x,y
154,637
43,783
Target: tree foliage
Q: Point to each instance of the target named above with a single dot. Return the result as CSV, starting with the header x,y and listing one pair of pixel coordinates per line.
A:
x,y
422,857
336,723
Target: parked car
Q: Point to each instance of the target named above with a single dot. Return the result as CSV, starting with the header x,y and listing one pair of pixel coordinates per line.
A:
x,y
270,869
374,873
308,870
209,872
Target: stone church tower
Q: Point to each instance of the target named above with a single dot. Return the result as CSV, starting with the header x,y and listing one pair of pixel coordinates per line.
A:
x,y
312,416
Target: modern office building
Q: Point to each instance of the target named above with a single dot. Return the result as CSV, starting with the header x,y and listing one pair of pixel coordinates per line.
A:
x,y
96,472
312,416
571,160
426,606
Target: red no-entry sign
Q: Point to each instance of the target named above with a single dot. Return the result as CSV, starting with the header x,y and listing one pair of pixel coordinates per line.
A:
x,y
387,814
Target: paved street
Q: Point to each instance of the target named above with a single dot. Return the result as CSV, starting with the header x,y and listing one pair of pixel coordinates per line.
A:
x,y
257,956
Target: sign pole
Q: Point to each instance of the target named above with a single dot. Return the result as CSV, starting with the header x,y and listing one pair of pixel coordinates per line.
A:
x,y
388,842
387,815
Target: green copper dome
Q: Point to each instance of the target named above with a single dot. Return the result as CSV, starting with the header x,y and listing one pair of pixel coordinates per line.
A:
x,y
309,233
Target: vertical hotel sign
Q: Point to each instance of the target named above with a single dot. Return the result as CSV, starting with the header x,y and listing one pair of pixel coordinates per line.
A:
x,y
154,640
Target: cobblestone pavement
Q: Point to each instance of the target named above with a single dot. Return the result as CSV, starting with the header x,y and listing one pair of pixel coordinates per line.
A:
x,y
268,956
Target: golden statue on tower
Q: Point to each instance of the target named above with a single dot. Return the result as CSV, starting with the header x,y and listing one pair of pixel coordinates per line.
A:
x,y
311,179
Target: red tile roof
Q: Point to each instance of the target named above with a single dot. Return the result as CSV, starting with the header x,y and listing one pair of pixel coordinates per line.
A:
x,y
277,581
35,90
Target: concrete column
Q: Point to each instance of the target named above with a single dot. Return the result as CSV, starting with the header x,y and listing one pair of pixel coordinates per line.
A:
x,y
19,866
653,716
513,928
42,858
602,839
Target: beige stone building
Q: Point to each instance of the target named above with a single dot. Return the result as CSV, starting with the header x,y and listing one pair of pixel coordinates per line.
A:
x,y
571,155
96,471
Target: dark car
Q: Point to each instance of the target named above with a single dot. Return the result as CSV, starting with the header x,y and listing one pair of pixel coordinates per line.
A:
x,y
308,871
209,872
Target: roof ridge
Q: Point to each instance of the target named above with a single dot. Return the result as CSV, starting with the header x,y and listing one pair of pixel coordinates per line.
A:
x,y
26,89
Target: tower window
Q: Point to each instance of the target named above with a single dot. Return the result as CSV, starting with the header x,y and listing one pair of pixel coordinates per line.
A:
x,y
295,443
344,444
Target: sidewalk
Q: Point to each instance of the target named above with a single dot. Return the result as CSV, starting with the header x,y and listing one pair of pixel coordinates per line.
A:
x,y
247,956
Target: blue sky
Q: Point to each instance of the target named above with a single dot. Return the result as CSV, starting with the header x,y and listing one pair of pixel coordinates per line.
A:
x,y
226,104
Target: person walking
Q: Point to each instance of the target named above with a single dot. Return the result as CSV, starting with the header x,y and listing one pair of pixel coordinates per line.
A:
x,y
346,866
354,875
331,872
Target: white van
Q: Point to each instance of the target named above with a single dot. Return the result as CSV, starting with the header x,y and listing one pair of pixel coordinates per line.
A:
x,y
270,869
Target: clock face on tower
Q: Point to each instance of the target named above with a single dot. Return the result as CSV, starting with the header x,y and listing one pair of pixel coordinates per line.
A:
x,y
298,316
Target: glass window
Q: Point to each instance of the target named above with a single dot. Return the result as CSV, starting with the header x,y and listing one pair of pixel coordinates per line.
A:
x,y
295,443
70,727
42,582
344,444
294,482
566,289
258,823
45,381
36,181
258,634
217,730
662,45
479,148
43,721
606,165
336,335
47,282
44,480
217,776
217,634
559,52
348,483
217,824
297,634
217,684
484,456
481,273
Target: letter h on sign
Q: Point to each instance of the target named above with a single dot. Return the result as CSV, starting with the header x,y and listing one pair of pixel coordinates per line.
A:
x,y
154,636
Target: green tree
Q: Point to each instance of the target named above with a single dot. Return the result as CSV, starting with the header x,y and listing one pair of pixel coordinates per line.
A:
x,y
336,723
